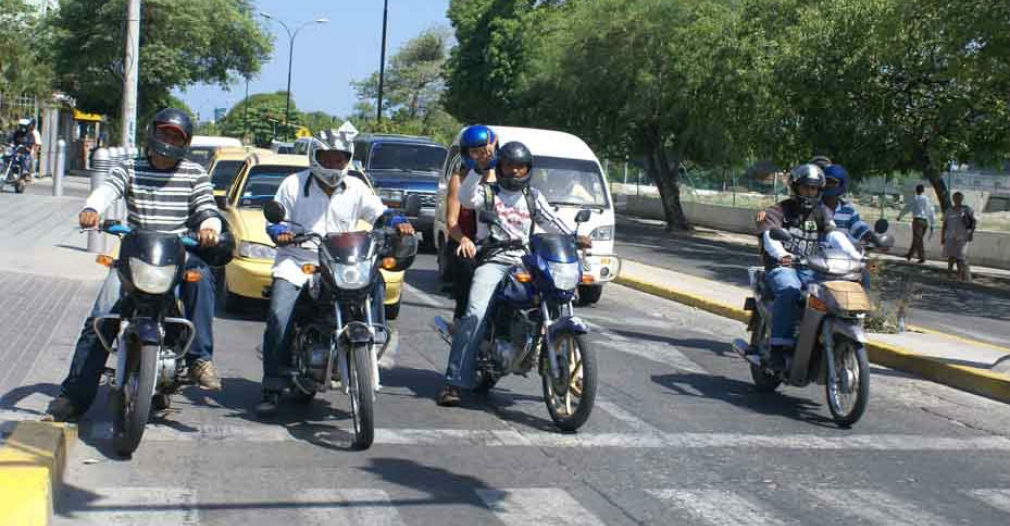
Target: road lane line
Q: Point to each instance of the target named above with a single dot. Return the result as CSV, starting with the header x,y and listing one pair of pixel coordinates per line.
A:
x,y
997,498
876,507
537,507
627,417
425,298
347,507
134,506
719,507
667,355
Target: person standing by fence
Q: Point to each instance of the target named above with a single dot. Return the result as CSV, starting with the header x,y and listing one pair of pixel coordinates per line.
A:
x,y
958,231
922,218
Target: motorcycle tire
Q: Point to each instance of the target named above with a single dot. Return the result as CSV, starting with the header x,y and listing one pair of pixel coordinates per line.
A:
x,y
362,396
132,401
764,381
301,397
849,353
392,311
590,294
19,186
485,384
559,405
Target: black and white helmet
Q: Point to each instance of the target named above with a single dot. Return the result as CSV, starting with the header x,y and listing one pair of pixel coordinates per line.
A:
x,y
340,140
807,175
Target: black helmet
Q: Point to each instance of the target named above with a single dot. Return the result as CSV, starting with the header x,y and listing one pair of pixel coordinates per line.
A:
x,y
807,175
514,153
220,254
173,118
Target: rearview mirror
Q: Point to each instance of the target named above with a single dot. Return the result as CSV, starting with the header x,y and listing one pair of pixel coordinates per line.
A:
x,y
583,215
779,234
274,212
222,201
881,226
413,205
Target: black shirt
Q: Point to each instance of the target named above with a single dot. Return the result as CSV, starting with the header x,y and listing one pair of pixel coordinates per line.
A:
x,y
808,229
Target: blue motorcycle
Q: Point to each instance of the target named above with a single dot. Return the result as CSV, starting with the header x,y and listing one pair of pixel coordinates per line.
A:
x,y
12,163
531,323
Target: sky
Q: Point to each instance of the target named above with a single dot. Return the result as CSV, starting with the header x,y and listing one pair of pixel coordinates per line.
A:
x,y
328,56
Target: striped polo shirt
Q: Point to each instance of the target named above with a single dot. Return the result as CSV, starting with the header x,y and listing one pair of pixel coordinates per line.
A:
x,y
156,200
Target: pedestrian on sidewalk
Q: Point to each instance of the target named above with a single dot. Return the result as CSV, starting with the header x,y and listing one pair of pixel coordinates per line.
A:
x,y
958,230
922,218
36,148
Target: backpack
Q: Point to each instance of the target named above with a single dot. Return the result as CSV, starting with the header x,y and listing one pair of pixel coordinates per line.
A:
x,y
531,204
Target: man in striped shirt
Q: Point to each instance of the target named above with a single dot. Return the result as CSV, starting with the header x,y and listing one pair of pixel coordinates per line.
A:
x,y
163,193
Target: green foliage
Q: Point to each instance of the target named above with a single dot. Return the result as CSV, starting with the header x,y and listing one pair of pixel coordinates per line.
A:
x,y
265,117
182,43
25,38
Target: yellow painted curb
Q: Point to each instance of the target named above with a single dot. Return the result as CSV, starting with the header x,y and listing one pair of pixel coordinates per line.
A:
x,y
978,381
31,471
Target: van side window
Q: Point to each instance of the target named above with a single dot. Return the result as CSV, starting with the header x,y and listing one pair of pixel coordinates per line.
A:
x,y
361,153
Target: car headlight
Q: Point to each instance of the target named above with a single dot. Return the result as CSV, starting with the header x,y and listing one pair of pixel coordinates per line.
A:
x,y
392,196
566,275
256,251
603,233
353,277
151,279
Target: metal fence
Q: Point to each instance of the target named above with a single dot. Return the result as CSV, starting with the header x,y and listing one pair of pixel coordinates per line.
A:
x,y
16,107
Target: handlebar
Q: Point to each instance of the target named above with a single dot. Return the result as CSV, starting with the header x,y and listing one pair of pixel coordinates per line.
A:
x,y
118,229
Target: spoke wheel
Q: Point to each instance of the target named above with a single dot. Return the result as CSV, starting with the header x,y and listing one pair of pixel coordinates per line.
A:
x,y
360,390
849,393
571,396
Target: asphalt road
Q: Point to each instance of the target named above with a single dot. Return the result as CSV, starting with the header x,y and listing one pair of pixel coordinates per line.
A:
x,y
678,437
969,313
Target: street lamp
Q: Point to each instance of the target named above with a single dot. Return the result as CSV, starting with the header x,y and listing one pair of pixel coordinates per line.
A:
x,y
382,60
291,55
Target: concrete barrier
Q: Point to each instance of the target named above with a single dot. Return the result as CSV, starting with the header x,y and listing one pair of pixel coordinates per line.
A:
x,y
990,249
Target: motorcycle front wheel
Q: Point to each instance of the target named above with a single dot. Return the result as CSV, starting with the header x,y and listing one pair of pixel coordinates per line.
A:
x,y
849,393
131,402
764,381
571,396
360,385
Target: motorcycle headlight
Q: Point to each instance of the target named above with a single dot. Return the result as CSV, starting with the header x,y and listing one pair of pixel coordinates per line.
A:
x,y
151,279
256,251
603,233
566,275
353,277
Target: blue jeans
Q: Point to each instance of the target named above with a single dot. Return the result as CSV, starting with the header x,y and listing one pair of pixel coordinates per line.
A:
x,y
787,284
81,384
462,368
284,296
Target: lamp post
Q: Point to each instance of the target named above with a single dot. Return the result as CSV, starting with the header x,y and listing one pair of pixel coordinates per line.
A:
x,y
291,54
382,59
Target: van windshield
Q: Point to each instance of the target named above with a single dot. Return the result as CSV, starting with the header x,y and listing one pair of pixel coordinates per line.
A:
x,y
570,182
408,157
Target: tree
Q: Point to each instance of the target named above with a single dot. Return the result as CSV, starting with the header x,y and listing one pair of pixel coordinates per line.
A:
x,y
182,43
25,68
265,118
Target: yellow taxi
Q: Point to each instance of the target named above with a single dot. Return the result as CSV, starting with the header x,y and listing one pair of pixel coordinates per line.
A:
x,y
224,167
248,276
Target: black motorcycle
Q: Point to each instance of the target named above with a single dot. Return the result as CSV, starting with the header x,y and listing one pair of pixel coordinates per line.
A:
x,y
337,342
153,336
12,163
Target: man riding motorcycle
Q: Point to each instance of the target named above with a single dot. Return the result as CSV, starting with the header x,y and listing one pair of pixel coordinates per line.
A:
x,y
518,207
163,193
324,200
809,223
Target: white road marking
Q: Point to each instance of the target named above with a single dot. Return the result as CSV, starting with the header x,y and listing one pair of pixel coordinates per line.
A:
x,y
508,437
997,498
719,507
667,355
425,298
627,417
537,507
876,507
599,329
348,507
129,506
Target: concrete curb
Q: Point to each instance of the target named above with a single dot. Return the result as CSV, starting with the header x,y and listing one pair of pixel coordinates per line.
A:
x,y
31,471
978,381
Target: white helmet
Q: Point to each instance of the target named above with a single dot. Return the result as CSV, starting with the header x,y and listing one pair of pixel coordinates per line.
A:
x,y
340,140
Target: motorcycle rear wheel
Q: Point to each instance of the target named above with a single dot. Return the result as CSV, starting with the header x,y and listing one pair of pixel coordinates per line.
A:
x,y
360,385
131,402
849,395
764,381
570,399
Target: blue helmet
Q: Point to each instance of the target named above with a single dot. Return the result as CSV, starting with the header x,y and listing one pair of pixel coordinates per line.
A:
x,y
477,136
838,173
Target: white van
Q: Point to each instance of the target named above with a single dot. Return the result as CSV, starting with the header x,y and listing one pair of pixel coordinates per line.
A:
x,y
203,147
570,176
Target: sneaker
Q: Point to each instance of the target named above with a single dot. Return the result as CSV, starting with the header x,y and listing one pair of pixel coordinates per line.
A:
x,y
268,403
202,373
61,409
449,397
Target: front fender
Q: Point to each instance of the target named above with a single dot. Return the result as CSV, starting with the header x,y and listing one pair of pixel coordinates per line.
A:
x,y
358,332
851,330
571,323
147,330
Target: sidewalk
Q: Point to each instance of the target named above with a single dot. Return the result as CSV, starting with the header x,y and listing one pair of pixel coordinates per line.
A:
x,y
958,362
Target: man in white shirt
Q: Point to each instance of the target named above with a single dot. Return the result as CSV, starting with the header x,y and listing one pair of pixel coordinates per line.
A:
x,y
922,217
322,199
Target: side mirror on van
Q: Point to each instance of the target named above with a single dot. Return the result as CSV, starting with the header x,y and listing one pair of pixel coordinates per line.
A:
x,y
584,215
881,226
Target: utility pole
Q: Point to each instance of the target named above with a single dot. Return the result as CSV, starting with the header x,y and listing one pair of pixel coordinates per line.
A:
x,y
382,60
245,110
131,68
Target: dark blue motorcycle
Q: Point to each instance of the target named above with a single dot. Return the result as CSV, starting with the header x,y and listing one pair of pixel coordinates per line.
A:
x,y
12,163
531,322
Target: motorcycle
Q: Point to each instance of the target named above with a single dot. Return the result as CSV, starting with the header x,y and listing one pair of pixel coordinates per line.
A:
x,y
337,343
153,336
831,343
531,322
12,163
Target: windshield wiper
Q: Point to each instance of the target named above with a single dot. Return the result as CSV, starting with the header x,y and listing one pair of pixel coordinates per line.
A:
x,y
583,205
